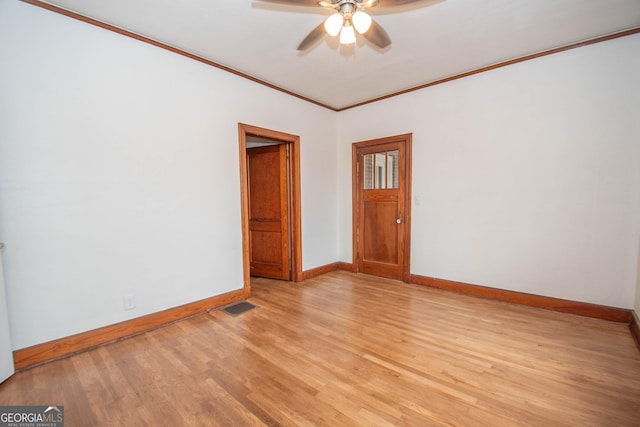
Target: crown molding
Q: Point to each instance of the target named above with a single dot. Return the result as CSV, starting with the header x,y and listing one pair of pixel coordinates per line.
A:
x,y
164,46
186,54
501,64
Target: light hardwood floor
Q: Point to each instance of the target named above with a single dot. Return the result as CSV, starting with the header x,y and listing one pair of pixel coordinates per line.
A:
x,y
344,349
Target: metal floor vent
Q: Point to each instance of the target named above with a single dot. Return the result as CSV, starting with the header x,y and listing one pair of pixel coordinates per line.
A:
x,y
238,308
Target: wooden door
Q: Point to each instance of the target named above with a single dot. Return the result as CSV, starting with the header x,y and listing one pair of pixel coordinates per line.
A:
x,y
268,212
382,206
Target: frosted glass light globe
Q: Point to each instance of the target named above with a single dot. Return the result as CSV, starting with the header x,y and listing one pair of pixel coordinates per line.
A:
x,y
361,21
333,24
347,35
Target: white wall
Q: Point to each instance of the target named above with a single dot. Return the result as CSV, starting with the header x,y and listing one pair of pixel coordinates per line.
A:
x,y
528,175
119,174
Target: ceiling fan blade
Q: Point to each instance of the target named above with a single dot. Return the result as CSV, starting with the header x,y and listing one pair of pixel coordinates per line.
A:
x,y
377,35
313,37
294,2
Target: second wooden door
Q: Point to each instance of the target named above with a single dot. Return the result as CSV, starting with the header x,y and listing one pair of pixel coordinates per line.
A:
x,y
382,206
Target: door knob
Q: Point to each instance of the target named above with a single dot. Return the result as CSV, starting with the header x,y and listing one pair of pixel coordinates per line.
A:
x,y
399,221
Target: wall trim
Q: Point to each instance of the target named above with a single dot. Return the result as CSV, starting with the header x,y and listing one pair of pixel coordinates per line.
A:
x,y
634,327
500,65
323,269
57,349
156,43
319,271
52,350
346,266
164,46
602,312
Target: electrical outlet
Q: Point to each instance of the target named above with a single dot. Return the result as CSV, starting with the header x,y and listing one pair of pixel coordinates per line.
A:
x,y
129,302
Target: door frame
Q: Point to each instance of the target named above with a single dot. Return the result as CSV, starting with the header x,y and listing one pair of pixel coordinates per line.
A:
x,y
7,364
295,227
356,192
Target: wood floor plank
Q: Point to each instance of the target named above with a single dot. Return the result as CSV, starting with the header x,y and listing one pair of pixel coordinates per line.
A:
x,y
346,350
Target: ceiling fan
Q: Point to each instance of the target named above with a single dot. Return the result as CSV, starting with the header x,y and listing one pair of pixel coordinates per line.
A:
x,y
348,17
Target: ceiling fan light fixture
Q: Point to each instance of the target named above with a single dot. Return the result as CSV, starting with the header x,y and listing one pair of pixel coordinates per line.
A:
x,y
347,35
361,21
333,24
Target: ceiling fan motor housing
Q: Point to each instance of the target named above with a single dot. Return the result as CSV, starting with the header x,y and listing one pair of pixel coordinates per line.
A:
x,y
348,7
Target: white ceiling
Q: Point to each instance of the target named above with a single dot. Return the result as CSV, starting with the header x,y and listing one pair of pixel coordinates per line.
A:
x,y
431,40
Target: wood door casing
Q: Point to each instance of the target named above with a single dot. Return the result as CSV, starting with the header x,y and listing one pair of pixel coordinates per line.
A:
x,y
246,131
381,216
268,212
